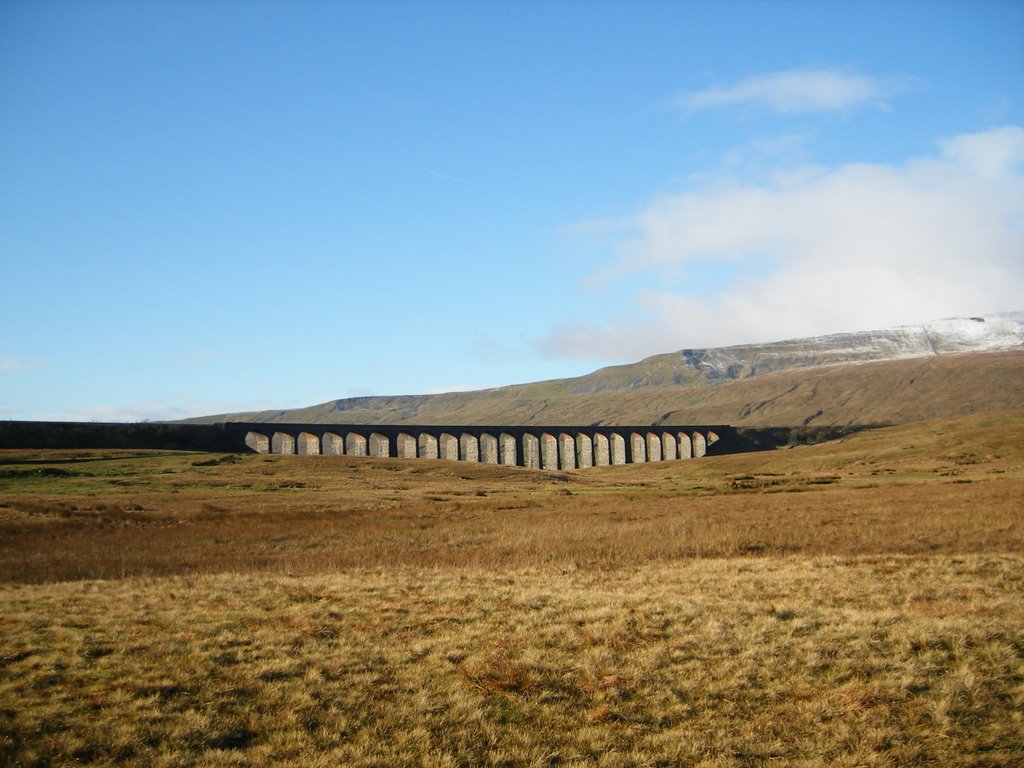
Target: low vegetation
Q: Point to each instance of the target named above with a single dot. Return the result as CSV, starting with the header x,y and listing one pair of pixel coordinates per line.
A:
x,y
851,603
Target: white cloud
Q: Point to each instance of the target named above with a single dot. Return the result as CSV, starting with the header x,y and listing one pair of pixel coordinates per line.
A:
x,y
444,390
989,154
818,250
790,91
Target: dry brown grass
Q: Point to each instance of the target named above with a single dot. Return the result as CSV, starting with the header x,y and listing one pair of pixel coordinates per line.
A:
x,y
798,661
855,603
949,487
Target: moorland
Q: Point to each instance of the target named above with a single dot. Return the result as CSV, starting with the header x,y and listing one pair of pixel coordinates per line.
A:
x,y
857,602
890,391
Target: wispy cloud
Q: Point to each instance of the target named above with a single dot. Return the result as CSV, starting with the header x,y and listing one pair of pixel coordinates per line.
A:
x,y
817,250
791,91
18,364
989,154
159,410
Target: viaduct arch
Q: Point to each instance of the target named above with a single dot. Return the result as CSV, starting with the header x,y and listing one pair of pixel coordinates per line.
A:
x,y
537,447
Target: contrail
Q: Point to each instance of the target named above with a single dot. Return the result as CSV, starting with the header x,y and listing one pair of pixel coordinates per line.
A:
x,y
446,176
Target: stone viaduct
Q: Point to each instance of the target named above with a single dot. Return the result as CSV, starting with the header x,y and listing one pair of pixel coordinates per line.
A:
x,y
540,447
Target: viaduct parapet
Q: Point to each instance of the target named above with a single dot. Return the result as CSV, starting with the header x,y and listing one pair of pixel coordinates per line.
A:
x,y
539,447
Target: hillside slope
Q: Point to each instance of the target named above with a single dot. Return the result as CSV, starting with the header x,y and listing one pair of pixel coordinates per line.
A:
x,y
887,391
950,367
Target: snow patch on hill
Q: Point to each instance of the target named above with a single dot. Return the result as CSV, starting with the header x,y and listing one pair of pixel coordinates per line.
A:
x,y
977,334
983,333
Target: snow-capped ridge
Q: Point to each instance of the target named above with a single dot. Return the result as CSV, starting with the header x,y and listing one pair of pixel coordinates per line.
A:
x,y
980,333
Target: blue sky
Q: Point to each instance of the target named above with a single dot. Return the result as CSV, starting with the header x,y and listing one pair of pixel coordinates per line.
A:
x,y
219,206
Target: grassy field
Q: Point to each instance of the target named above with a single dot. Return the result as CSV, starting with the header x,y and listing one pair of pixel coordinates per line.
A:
x,y
853,603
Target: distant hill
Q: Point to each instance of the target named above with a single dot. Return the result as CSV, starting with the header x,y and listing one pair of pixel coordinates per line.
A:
x,y
946,368
715,366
